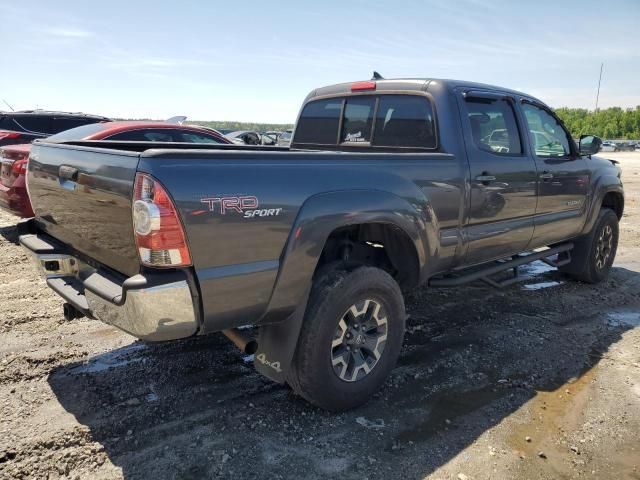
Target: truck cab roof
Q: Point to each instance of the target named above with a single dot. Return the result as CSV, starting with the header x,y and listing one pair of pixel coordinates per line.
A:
x,y
412,84
386,114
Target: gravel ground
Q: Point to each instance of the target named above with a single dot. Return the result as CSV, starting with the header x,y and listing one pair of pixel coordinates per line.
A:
x,y
540,380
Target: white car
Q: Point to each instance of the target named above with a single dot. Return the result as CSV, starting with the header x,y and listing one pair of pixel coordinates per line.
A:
x,y
608,147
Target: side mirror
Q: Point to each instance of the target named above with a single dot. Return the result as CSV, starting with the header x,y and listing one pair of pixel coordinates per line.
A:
x,y
589,144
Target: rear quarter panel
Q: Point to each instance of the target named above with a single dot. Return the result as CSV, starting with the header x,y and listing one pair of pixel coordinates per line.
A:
x,y
238,260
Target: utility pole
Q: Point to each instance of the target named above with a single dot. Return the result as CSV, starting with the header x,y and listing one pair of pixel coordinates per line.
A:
x,y
599,81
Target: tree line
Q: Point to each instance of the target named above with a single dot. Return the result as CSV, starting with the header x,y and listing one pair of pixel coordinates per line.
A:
x,y
613,123
610,123
252,126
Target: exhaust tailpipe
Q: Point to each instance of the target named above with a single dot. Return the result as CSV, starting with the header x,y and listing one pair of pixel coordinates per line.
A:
x,y
245,344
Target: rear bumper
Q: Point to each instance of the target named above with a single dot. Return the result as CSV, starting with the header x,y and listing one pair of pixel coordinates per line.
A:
x,y
153,307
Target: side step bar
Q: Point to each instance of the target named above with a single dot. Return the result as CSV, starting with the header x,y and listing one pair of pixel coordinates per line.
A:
x,y
484,274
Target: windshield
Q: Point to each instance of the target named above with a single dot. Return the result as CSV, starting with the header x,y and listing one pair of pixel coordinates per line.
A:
x,y
79,133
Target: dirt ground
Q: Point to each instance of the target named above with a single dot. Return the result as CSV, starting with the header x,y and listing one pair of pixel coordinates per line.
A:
x,y
540,380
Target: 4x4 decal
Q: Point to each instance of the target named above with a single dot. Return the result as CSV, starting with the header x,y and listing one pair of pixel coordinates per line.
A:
x,y
273,364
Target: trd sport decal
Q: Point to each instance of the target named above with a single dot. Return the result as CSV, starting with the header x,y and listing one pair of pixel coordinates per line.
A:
x,y
246,205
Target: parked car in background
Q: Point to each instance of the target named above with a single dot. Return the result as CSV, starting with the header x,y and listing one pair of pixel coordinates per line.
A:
x,y
608,147
284,140
13,158
271,137
27,125
626,146
245,137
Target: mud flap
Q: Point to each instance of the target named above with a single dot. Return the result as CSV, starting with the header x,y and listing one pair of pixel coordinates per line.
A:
x,y
277,345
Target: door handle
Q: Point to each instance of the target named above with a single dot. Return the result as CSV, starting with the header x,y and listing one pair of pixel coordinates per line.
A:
x,y
485,178
546,175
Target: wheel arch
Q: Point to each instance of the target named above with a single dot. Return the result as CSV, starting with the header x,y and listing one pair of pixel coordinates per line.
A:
x,y
327,215
608,193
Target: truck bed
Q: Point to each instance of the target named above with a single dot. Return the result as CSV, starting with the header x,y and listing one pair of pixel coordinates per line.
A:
x,y
237,255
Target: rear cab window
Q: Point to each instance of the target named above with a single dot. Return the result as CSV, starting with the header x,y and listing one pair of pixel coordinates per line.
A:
x,y
319,122
372,120
357,120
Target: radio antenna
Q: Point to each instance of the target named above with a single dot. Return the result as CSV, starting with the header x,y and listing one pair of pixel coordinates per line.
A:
x,y
7,104
599,81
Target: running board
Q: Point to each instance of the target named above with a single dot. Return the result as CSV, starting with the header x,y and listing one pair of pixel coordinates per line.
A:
x,y
485,274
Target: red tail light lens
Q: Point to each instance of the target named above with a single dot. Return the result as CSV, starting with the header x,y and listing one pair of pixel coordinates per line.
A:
x,y
15,157
157,228
19,167
5,135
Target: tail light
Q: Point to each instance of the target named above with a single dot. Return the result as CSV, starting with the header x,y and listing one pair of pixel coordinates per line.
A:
x,y
17,158
4,135
19,167
157,228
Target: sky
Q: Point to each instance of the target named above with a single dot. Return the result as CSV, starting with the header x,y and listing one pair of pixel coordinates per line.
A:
x,y
256,61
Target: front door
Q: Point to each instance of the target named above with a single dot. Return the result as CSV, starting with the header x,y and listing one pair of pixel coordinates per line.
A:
x,y
502,199
563,177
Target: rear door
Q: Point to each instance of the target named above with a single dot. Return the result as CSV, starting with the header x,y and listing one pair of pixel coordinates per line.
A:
x,y
502,201
563,177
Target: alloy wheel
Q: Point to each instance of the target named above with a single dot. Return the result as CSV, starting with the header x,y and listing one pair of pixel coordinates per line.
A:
x,y
359,340
604,246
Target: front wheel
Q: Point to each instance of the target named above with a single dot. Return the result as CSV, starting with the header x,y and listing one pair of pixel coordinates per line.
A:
x,y
592,255
350,339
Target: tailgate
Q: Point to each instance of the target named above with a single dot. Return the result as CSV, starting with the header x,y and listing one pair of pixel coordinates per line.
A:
x,y
82,197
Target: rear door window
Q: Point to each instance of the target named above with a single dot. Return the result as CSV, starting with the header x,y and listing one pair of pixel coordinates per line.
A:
x,y
493,126
319,122
358,120
404,121
6,123
32,123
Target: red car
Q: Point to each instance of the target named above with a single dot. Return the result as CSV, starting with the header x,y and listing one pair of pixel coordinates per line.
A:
x,y
13,158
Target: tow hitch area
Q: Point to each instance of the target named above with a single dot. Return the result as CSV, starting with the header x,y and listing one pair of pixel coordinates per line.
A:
x,y
70,312
561,252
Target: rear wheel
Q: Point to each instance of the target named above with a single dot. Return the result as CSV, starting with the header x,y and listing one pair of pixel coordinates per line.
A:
x,y
350,339
592,255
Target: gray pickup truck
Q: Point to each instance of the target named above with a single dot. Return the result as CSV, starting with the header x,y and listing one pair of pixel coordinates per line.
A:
x,y
387,185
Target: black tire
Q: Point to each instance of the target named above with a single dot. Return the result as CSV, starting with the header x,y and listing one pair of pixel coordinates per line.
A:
x,y
314,375
593,254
